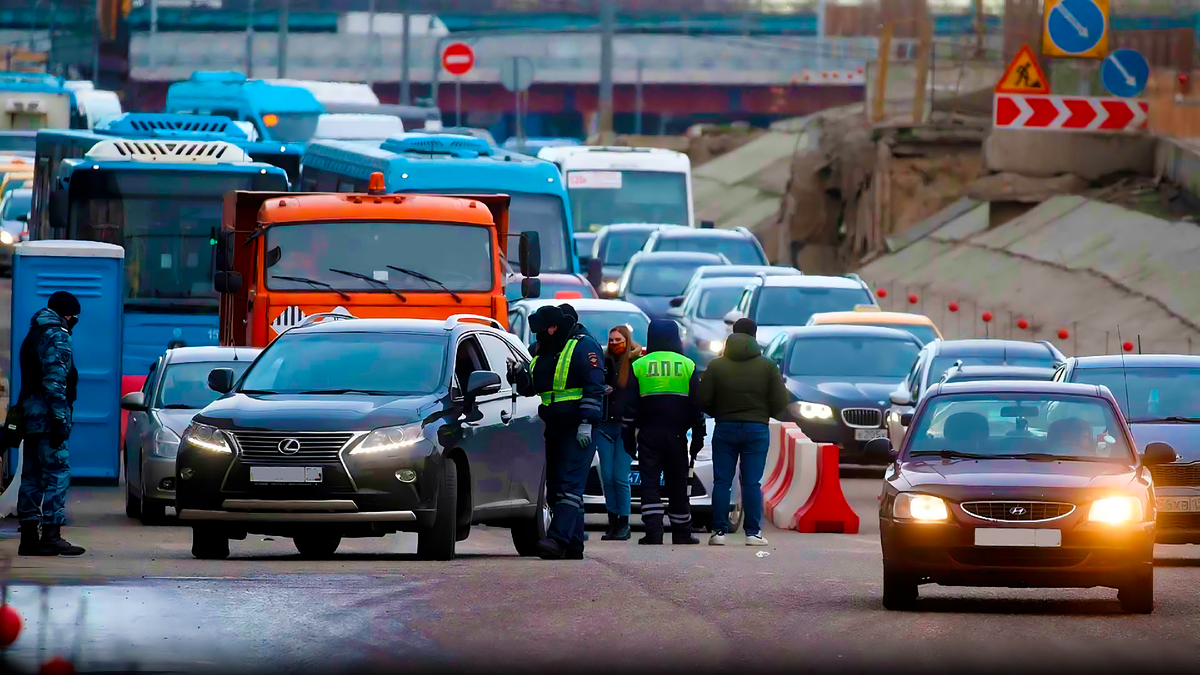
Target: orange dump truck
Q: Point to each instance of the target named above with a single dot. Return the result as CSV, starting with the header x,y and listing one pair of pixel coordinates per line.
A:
x,y
283,257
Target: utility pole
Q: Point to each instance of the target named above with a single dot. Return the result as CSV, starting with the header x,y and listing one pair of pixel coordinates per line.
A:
x,y
405,83
283,36
638,104
980,29
250,40
925,30
820,35
881,73
371,58
608,12
153,33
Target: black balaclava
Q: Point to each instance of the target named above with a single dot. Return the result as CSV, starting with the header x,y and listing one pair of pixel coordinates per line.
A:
x,y
541,320
64,304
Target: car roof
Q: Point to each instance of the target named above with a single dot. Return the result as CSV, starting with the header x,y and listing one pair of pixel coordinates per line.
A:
x,y
721,282
673,256
205,354
635,227
849,330
1004,372
747,270
898,318
1017,387
809,281
990,347
693,232
581,304
1139,361
428,326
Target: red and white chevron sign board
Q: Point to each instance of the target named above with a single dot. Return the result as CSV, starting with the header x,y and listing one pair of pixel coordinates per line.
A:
x,y
1069,113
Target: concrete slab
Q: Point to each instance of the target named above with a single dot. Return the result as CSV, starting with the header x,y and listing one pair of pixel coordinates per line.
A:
x,y
750,159
972,220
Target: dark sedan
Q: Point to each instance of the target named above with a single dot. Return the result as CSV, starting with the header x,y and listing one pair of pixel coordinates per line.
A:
x,y
362,427
1018,484
1160,396
652,280
839,378
610,251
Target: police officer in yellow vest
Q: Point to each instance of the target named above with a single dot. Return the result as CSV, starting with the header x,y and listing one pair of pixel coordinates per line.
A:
x,y
665,404
568,374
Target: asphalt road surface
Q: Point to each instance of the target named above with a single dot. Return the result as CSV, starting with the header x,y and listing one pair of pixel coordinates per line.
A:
x,y
138,600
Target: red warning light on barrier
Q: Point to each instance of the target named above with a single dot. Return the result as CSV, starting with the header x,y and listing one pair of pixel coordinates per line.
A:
x,y
912,298
1127,346
953,306
882,292
1022,324
57,666
10,625
987,317
1063,334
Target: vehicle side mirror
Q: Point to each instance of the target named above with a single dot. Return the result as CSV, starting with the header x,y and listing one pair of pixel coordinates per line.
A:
x,y
220,380
595,272
906,420
529,252
23,218
1158,453
531,287
677,302
481,383
227,282
134,402
732,316
59,210
707,224
880,450
901,398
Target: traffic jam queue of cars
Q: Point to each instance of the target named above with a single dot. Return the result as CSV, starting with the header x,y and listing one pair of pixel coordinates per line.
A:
x,y
320,351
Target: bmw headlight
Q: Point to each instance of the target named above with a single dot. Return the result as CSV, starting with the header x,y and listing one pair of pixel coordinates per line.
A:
x,y
893,418
166,443
207,438
1116,510
6,238
390,439
811,411
714,346
924,508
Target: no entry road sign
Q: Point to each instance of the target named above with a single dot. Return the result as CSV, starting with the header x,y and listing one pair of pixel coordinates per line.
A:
x,y
458,58
1069,113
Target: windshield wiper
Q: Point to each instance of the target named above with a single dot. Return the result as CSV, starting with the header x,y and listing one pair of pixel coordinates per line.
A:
x,y
950,454
431,280
371,392
256,391
1049,457
372,280
177,406
312,282
1172,418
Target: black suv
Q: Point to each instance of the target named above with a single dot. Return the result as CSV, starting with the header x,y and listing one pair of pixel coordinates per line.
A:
x,y
364,427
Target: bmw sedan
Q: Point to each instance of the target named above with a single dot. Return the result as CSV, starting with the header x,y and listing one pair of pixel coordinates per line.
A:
x,y
1019,484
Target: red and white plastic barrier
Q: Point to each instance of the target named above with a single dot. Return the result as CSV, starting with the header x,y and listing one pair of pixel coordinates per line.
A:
x,y
801,487
804,481
782,472
827,509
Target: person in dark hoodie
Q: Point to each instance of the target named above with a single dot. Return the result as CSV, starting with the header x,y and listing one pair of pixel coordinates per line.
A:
x,y
48,383
741,391
568,374
664,403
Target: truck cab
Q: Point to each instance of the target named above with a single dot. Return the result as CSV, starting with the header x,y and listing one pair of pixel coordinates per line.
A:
x,y
285,257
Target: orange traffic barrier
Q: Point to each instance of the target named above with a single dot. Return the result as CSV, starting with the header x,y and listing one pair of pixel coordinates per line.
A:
x,y
827,509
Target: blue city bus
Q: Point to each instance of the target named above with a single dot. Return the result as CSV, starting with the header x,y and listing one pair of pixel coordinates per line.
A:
x,y
162,201
284,117
453,164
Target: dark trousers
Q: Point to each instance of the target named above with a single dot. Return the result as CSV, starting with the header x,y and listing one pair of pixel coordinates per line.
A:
x,y
663,456
45,476
567,467
749,442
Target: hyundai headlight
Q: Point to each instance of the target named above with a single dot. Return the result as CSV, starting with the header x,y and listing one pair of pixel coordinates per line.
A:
x,y
390,439
811,411
1116,510
923,508
6,238
166,443
714,346
207,438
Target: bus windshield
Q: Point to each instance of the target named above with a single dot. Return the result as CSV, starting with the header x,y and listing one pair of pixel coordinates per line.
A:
x,y
291,127
458,256
167,221
600,198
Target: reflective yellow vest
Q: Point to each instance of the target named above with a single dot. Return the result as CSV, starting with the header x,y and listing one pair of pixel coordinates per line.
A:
x,y
558,387
662,373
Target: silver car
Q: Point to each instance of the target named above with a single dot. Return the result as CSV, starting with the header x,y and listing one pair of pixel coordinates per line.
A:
x,y
176,389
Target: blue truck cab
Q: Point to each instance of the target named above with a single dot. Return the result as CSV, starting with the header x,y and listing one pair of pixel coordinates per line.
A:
x,y
450,164
284,117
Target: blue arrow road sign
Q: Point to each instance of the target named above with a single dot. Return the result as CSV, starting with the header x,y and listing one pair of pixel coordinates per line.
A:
x,y
1125,72
1075,26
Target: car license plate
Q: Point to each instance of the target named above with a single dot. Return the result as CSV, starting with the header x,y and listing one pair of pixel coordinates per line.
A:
x,y
635,478
1013,536
285,474
1179,504
869,434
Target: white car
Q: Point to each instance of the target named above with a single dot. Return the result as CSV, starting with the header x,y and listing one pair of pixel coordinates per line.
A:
x,y
598,316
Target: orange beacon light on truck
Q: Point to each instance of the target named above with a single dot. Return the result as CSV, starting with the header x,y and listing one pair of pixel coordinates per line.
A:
x,y
376,186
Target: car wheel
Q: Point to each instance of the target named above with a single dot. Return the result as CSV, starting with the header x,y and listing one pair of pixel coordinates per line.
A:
x,y
133,505
1137,595
529,533
153,512
736,515
899,590
317,545
209,544
437,542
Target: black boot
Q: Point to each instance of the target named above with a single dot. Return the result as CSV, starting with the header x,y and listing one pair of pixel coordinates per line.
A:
x,y
621,533
653,538
548,549
53,544
612,527
682,534
30,542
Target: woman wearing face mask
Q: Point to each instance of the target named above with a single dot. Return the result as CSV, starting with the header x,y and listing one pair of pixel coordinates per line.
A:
x,y
622,351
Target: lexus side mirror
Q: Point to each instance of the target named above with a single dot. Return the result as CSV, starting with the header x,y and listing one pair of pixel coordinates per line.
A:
x,y
481,383
1158,453
134,402
879,450
901,398
529,254
220,380
906,420
227,282
531,287
595,272
676,302
732,316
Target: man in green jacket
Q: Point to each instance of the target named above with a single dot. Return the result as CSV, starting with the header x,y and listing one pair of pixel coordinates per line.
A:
x,y
742,391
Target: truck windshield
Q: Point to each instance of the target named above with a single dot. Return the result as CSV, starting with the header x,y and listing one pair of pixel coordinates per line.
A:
x,y
600,198
291,127
166,220
459,256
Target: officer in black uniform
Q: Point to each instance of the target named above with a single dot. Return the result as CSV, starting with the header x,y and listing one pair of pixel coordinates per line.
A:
x,y
568,374
664,403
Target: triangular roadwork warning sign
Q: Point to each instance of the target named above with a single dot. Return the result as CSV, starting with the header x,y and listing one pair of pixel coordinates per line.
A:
x,y
1023,75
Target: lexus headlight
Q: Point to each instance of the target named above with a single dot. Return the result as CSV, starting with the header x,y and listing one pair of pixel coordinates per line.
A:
x,y
610,286
811,411
924,508
1116,510
6,238
390,439
714,346
166,443
207,438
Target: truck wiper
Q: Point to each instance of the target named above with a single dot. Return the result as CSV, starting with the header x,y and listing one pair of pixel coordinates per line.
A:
x,y
1172,418
430,279
1050,457
312,282
371,280
948,454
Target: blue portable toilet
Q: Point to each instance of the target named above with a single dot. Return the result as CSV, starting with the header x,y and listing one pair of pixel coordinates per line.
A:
x,y
94,273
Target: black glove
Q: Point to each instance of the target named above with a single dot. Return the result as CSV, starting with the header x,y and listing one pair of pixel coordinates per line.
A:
x,y
697,445
630,450
514,369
